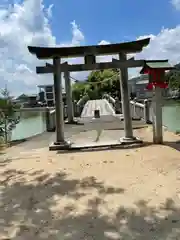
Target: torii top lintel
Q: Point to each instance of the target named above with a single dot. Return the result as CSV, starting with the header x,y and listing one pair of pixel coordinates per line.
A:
x,y
70,52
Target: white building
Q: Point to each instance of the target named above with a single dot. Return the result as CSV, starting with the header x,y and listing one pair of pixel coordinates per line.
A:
x,y
137,86
49,96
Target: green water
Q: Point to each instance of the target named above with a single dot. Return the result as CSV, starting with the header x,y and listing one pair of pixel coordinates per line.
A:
x,y
171,115
31,124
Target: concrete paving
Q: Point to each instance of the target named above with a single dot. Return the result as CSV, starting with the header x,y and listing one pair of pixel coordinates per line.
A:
x,y
109,128
122,194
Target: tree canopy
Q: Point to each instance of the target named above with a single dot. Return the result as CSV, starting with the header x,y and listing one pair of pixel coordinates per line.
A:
x,y
173,78
98,83
107,81
8,118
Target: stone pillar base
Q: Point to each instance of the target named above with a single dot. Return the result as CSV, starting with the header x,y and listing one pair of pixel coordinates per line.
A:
x,y
73,121
130,140
60,146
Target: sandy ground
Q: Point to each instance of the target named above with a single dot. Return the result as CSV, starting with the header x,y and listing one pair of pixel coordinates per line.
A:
x,y
103,195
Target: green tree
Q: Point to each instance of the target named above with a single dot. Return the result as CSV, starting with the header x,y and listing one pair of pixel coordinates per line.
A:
x,y
173,78
79,89
98,83
8,118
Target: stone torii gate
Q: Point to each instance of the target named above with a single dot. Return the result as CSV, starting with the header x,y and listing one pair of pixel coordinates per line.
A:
x,y
89,54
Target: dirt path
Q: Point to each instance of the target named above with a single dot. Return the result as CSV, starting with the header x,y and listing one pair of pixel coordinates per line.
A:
x,y
104,195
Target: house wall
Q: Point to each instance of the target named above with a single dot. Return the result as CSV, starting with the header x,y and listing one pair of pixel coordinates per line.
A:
x,y
138,85
141,91
49,95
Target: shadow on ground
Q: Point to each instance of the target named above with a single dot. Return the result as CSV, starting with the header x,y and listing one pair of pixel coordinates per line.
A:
x,y
33,208
5,162
175,145
1,153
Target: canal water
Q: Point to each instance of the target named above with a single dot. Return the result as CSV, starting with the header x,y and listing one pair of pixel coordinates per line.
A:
x,y
171,115
33,123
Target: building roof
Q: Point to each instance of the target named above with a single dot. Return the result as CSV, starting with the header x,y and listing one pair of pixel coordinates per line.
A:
x,y
133,79
44,86
32,95
157,64
49,85
22,96
139,79
109,49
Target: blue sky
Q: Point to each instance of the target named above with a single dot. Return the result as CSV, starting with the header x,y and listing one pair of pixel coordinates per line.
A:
x,y
81,22
115,20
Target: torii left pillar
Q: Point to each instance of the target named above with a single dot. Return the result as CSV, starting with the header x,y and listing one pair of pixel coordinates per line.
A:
x,y
60,142
128,130
70,109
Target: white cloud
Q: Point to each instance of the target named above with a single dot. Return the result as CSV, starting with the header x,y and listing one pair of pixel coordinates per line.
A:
x,y
176,4
78,36
27,23
103,42
49,10
24,24
165,45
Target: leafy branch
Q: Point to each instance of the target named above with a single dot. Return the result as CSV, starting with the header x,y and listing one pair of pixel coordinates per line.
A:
x,y
8,118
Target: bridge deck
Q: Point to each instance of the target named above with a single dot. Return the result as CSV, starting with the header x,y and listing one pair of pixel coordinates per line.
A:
x,y
101,104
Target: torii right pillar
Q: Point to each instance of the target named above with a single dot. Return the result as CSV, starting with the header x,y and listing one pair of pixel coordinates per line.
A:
x,y
128,130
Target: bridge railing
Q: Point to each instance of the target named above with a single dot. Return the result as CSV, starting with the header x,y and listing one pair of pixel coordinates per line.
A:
x,y
116,103
110,99
80,105
141,110
138,110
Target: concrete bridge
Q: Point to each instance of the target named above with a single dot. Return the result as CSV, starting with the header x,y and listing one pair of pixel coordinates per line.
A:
x,y
108,118
102,105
